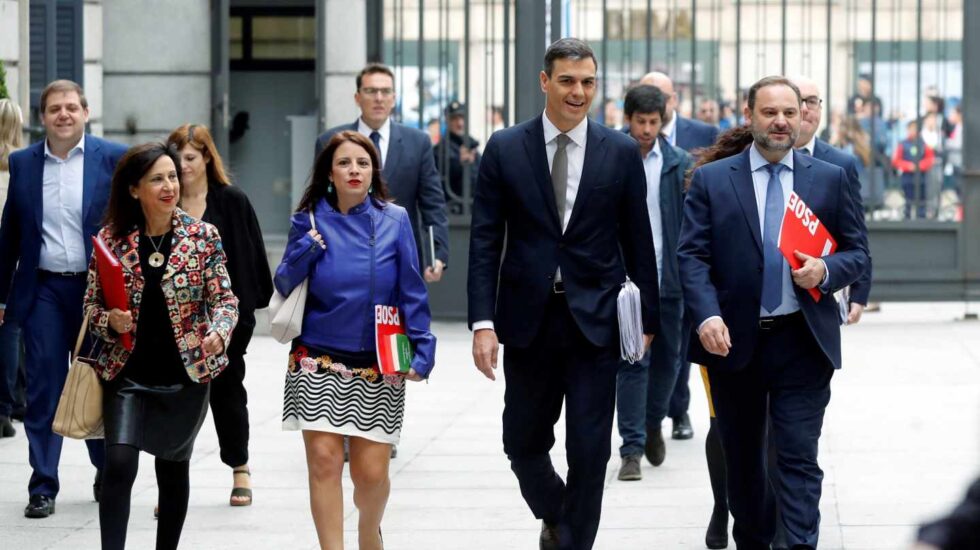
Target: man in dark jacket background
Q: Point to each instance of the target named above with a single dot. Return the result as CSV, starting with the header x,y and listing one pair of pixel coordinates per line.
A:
x,y
643,389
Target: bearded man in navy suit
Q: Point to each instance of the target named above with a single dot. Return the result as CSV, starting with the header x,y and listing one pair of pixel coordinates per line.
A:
x,y
769,346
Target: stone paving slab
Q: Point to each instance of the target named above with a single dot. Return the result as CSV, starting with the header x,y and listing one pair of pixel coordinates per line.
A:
x,y
899,446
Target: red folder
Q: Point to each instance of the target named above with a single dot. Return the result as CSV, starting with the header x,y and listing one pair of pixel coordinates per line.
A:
x,y
113,284
803,231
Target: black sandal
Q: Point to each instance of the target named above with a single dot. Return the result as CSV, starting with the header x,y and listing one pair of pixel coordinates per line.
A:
x,y
241,492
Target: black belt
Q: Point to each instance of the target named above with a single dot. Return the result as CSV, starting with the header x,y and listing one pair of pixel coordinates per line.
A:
x,y
62,273
779,321
558,287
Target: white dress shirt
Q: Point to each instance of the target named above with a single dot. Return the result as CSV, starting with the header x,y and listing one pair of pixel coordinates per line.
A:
x,y
653,165
670,130
62,235
385,131
809,147
575,153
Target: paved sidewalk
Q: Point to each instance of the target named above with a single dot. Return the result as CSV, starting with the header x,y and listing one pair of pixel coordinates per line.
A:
x,y
899,445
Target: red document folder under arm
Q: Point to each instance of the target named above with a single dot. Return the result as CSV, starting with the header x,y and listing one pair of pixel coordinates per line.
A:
x,y
113,284
802,231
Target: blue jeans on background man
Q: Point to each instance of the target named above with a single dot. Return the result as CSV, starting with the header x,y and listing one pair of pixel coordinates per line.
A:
x,y
680,398
9,367
643,389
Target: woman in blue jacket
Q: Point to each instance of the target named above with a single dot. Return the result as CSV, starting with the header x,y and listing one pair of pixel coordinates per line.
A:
x,y
361,253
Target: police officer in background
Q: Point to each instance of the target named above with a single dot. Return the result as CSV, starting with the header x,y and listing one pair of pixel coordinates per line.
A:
x,y
457,157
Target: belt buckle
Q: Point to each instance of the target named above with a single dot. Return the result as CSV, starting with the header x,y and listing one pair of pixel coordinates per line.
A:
x,y
558,287
767,323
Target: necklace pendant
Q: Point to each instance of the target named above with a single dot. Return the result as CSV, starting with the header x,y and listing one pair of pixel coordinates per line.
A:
x,y
156,259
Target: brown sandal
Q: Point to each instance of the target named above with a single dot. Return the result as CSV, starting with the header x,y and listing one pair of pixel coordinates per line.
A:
x,y
241,492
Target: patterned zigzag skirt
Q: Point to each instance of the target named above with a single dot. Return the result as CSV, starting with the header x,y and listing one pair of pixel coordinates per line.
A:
x,y
323,394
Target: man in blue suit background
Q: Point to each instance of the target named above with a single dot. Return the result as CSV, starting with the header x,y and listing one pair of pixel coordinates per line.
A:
x,y
407,162
809,143
690,135
559,219
58,192
770,348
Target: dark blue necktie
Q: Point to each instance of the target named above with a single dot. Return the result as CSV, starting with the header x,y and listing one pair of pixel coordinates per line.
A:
x,y
772,274
376,138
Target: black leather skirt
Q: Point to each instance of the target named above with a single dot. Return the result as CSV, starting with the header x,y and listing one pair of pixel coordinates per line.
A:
x,y
160,420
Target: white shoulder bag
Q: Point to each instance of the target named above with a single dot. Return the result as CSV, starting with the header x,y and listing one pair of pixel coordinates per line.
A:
x,y
286,312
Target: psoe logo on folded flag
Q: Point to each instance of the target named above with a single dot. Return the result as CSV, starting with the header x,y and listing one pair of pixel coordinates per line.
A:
x,y
393,347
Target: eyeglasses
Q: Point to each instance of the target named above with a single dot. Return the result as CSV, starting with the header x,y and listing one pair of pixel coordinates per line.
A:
x,y
385,92
813,102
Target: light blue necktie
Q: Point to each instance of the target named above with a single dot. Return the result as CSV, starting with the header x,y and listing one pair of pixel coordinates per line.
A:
x,y
772,273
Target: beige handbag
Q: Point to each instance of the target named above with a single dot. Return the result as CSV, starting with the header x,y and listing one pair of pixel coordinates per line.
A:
x,y
286,312
79,414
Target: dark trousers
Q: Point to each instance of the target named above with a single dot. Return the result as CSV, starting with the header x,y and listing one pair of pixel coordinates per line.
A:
x,y
680,398
560,366
49,337
643,388
788,381
9,367
229,400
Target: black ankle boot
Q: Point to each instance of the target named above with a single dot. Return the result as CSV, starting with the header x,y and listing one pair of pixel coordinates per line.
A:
x,y
717,534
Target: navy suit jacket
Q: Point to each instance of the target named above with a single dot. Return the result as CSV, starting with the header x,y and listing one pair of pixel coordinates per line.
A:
x,y
20,226
608,235
720,253
828,153
413,182
693,134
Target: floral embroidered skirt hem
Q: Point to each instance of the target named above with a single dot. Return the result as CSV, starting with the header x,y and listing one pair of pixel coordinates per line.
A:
x,y
343,393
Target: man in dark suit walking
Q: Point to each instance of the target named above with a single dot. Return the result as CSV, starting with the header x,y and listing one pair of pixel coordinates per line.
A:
x,y
58,191
770,348
407,162
690,135
563,200
810,144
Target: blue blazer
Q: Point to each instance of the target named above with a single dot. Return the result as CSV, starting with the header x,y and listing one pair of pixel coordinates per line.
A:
x,y
826,152
720,253
413,182
693,134
20,226
608,235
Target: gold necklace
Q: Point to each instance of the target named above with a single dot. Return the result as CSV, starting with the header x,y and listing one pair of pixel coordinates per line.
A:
x,y
156,259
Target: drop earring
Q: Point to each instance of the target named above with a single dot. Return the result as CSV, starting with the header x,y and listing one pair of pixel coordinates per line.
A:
x,y
330,187
371,189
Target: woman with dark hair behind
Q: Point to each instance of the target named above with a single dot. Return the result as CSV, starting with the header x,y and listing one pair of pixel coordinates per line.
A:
x,y
181,316
729,143
360,254
207,194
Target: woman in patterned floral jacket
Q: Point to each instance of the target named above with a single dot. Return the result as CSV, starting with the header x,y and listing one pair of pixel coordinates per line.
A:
x,y
180,318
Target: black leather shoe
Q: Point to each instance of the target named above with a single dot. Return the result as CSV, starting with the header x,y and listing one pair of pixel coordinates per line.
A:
x,y
97,486
549,536
655,449
40,507
682,427
6,427
717,536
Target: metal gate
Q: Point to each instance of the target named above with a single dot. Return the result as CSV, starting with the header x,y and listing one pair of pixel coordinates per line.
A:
x,y
881,65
